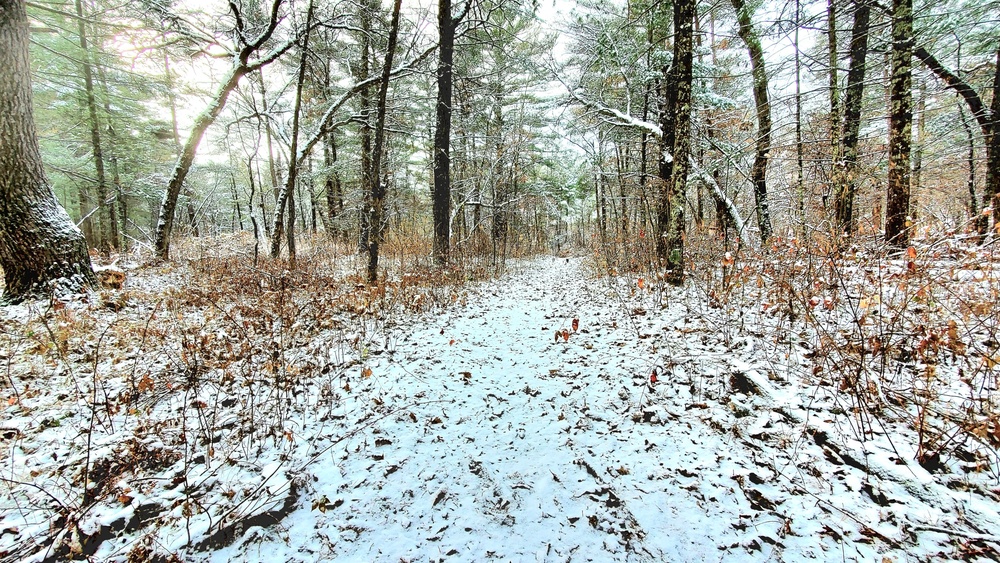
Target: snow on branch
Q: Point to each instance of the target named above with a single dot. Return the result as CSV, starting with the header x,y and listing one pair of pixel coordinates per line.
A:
x,y
731,210
621,119
625,120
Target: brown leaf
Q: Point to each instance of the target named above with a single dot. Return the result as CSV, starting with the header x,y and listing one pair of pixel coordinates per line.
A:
x,y
366,372
565,335
576,325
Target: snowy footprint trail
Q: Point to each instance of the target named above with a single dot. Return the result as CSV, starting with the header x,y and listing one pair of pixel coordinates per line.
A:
x,y
495,439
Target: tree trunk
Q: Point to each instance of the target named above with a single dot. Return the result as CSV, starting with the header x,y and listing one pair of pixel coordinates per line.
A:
x,y
683,64
991,195
918,150
846,178
105,216
833,61
365,98
286,195
758,173
378,187
334,197
241,66
41,251
442,135
665,164
799,148
897,205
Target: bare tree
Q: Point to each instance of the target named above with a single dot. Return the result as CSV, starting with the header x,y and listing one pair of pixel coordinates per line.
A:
x,y
242,65
845,172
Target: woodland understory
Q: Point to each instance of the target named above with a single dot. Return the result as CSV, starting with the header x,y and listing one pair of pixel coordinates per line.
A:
x,y
500,280
162,419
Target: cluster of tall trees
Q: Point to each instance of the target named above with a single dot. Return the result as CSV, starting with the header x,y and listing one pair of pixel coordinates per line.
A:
x,y
372,121
842,138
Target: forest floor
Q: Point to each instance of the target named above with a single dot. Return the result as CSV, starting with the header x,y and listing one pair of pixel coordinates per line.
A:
x,y
548,415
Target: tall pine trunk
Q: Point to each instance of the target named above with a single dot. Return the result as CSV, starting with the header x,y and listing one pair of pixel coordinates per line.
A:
x,y
378,188
897,205
683,64
41,251
758,172
107,230
442,135
845,180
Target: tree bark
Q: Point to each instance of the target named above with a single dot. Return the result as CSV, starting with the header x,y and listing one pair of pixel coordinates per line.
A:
x,y
758,173
683,63
378,187
897,205
845,179
442,135
833,61
286,195
991,195
41,250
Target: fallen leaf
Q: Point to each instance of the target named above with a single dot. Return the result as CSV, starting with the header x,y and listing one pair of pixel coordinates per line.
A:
x,y
366,372
641,283
911,253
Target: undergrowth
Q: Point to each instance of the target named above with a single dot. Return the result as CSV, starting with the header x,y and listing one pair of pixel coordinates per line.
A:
x,y
185,381
910,336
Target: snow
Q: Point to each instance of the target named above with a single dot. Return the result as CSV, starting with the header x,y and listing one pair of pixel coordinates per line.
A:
x,y
482,432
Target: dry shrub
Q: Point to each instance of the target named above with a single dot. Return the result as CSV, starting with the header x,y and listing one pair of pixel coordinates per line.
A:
x,y
898,335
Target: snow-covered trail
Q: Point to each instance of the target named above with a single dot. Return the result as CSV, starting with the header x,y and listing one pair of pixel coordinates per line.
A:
x,y
487,438
509,443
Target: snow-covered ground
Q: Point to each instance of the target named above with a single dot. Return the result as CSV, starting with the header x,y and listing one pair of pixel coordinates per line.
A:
x,y
549,415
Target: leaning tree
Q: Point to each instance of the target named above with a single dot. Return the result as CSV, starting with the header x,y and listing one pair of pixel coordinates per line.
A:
x,y
41,251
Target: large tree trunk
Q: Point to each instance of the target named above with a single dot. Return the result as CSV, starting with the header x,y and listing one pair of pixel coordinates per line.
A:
x,y
442,135
683,63
758,173
897,205
665,164
41,251
378,192
845,174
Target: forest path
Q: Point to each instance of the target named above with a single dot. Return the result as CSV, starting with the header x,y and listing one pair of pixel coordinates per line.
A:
x,y
510,443
480,435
